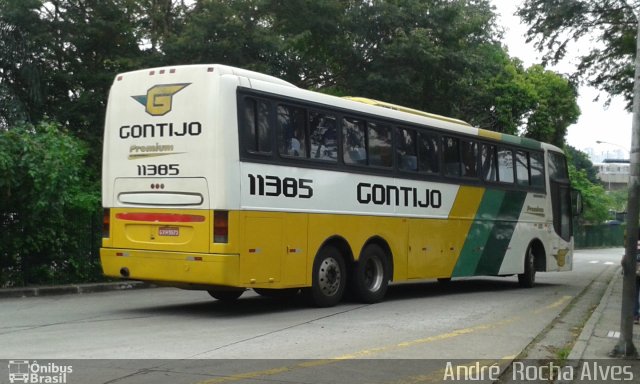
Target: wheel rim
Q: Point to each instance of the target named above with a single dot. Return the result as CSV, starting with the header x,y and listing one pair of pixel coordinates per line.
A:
x,y
373,274
329,276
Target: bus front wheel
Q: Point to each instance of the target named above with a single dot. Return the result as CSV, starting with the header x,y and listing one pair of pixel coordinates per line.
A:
x,y
329,278
371,275
528,278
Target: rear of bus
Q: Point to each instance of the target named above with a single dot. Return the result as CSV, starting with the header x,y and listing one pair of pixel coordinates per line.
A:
x,y
162,176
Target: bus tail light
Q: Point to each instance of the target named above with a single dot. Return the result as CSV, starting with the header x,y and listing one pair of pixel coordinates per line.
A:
x,y
221,227
106,223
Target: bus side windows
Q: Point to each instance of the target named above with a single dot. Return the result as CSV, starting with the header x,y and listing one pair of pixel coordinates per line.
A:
x,y
292,134
536,161
460,157
353,141
469,152
505,165
379,151
257,127
522,168
452,164
323,135
557,166
489,163
428,153
406,156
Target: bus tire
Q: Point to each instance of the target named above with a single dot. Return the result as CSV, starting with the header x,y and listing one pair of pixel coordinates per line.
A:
x,y
527,279
371,275
227,295
329,278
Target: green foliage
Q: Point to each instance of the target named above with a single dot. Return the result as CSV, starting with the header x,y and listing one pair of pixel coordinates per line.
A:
x,y
58,59
595,198
581,161
619,199
582,174
555,107
47,205
555,24
439,56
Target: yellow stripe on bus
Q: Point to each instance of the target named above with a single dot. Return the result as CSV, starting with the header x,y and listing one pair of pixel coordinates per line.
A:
x,y
490,134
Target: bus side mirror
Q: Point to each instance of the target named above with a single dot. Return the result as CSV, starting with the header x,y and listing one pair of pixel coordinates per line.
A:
x,y
576,202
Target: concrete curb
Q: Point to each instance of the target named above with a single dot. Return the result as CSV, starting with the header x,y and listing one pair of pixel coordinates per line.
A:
x,y
577,352
72,289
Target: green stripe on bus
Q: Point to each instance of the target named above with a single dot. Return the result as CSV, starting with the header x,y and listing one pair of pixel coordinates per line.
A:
x,y
479,233
522,141
501,233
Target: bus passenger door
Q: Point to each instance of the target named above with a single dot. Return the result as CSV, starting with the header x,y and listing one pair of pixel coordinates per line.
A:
x,y
562,225
561,205
560,191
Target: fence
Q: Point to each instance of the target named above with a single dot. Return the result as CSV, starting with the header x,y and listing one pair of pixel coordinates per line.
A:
x,y
599,236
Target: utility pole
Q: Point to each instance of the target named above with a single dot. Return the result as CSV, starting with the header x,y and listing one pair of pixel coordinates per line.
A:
x,y
625,347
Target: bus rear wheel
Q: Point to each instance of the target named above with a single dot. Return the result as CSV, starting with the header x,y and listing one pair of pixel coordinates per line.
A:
x,y
527,279
328,279
371,275
226,294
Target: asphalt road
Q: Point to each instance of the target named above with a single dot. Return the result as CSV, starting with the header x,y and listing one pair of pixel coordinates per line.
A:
x,y
472,319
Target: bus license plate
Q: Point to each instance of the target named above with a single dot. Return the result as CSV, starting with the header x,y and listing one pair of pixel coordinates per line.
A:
x,y
168,231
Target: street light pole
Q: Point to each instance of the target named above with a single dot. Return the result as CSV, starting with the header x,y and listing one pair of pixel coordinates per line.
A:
x,y
617,145
625,347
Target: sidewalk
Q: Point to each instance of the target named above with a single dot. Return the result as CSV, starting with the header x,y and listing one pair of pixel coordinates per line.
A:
x,y
71,288
602,331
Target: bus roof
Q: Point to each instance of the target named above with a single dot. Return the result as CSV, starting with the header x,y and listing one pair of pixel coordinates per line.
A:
x,y
252,75
216,68
396,107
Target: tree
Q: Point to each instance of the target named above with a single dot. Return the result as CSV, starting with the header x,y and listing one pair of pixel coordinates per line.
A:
x,y
582,174
58,59
555,107
47,206
608,65
581,161
595,198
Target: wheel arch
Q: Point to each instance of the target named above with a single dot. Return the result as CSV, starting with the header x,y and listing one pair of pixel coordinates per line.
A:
x,y
341,244
382,243
539,254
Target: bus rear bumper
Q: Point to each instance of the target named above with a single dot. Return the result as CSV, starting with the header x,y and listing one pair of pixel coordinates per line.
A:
x,y
172,268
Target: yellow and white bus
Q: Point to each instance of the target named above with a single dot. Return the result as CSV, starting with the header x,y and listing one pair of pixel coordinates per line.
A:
x,y
223,179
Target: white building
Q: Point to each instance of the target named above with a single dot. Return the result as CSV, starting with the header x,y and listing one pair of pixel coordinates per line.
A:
x,y
614,173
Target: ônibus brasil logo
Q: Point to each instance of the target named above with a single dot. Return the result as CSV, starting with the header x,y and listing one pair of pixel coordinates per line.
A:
x,y
158,100
24,371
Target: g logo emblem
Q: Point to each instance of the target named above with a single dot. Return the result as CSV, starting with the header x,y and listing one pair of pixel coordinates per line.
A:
x,y
159,98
